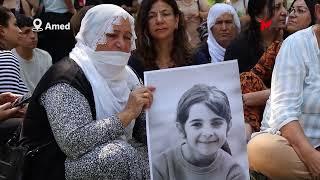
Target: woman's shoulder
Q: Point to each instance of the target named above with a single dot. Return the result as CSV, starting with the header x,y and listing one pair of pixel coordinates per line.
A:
x,y
241,41
133,79
201,54
8,56
302,36
135,62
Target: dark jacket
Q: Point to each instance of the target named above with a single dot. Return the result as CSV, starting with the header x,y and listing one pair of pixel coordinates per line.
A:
x,y
201,55
48,162
245,51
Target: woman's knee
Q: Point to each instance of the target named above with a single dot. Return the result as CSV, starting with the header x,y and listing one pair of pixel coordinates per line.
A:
x,y
273,156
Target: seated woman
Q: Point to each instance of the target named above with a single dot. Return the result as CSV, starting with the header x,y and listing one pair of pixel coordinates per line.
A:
x,y
258,78
86,107
288,145
10,79
223,26
252,43
162,40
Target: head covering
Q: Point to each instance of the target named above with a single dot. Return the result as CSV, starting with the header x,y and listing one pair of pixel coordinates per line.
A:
x,y
310,4
215,50
111,80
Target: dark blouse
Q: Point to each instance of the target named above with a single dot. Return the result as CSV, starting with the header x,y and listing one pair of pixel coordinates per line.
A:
x,y
245,52
201,55
136,64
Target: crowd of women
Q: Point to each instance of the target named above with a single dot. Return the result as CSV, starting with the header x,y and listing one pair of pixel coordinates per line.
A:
x,y
87,111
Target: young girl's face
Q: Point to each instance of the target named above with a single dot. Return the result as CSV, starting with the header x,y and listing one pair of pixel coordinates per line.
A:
x,y
205,131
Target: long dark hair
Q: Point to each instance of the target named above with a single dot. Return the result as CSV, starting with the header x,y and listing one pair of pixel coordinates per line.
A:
x,y
255,8
5,15
180,54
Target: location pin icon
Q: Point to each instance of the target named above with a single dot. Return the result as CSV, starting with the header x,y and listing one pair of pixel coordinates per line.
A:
x,y
37,25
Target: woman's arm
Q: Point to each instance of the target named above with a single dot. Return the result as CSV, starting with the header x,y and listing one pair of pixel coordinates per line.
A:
x,y
293,132
258,98
72,124
204,9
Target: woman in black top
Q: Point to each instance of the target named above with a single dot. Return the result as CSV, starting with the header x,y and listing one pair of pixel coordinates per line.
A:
x,y
162,41
251,44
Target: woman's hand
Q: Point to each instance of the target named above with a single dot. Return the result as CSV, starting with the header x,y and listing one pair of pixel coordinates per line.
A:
x,y
139,99
8,97
312,161
258,98
294,133
7,111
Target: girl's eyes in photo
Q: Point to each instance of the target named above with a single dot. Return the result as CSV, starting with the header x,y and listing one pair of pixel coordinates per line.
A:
x,y
197,124
217,123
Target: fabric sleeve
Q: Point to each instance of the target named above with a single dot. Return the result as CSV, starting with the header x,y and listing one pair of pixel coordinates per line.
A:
x,y
70,118
11,80
287,83
199,55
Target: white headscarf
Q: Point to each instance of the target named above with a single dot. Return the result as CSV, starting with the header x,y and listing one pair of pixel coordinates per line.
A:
x,y
111,80
215,50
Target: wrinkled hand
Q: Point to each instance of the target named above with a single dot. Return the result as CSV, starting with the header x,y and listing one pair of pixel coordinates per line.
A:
x,y
8,97
312,161
139,99
7,111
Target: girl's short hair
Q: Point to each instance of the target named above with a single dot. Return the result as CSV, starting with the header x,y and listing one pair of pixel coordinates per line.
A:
x,y
215,99
5,15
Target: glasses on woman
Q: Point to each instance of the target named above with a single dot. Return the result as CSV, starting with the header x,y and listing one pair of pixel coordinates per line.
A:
x,y
298,10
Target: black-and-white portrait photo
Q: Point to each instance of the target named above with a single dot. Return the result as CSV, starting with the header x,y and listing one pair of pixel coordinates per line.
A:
x,y
195,126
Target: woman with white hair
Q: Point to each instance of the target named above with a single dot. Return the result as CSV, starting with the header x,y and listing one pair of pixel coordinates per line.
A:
x,y
223,27
88,106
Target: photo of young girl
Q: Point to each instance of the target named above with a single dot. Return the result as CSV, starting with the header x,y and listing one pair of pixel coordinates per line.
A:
x,y
195,126
203,120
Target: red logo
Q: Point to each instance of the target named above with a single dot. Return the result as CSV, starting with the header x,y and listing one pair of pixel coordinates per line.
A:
x,y
264,24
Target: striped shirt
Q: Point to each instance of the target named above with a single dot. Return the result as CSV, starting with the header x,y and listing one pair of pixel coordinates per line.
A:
x,y
295,87
10,80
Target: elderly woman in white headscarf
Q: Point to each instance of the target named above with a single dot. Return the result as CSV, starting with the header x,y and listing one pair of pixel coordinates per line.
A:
x,y
91,103
223,26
